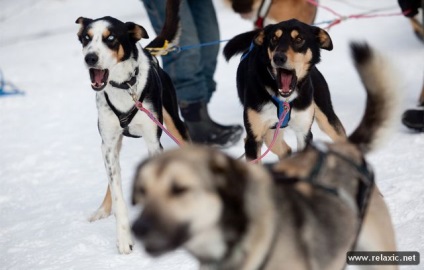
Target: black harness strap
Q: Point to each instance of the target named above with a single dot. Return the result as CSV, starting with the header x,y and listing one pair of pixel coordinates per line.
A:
x,y
365,186
124,118
127,84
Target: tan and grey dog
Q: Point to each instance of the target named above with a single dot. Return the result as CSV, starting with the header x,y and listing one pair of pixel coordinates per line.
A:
x,y
304,212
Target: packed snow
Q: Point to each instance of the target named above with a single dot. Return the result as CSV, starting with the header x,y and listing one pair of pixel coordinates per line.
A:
x,y
52,175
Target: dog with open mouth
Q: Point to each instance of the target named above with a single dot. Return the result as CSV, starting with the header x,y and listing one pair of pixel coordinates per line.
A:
x,y
304,212
278,64
121,73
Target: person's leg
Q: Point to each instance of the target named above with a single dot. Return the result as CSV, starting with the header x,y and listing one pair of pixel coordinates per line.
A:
x,y
204,17
186,67
194,85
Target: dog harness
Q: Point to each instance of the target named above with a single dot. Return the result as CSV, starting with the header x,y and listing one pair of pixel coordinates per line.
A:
x,y
365,185
125,118
280,109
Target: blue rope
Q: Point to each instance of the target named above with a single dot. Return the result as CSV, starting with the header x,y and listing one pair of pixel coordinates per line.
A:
x,y
3,84
188,47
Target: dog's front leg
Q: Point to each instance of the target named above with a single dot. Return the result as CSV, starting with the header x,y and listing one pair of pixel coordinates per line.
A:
x,y
301,123
111,147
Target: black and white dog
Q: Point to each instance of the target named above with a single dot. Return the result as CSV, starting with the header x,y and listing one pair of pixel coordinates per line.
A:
x,y
121,71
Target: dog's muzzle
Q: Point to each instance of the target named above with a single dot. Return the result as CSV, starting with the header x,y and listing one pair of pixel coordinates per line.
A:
x,y
286,81
158,236
99,78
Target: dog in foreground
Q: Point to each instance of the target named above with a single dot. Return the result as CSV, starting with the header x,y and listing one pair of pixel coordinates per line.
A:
x,y
122,72
304,212
278,64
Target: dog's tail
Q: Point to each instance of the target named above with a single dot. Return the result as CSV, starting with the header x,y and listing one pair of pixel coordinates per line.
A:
x,y
239,44
171,28
382,98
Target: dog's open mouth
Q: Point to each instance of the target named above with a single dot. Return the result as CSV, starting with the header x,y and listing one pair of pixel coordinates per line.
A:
x,y
98,78
286,81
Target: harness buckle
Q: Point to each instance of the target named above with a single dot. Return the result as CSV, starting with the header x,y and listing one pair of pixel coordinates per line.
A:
x,y
131,92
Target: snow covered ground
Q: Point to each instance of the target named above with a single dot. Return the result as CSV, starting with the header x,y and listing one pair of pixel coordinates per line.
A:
x,y
51,171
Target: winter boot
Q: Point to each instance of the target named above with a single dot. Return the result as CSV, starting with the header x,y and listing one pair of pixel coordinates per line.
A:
x,y
203,130
414,119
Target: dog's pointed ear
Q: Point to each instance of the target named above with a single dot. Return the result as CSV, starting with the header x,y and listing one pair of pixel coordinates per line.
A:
x,y
323,39
135,31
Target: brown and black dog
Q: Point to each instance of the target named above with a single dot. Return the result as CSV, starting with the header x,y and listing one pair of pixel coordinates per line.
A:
x,y
278,64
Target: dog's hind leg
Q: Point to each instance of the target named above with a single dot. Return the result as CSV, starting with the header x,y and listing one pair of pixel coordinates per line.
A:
x,y
326,118
105,208
280,147
377,233
170,111
330,124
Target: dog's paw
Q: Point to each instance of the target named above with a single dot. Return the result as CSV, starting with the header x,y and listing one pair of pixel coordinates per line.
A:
x,y
124,242
99,214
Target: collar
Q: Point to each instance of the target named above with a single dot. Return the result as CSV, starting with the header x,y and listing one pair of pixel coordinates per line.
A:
x,y
280,109
127,84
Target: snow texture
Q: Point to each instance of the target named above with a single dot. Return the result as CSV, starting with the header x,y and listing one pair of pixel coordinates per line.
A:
x,y
52,174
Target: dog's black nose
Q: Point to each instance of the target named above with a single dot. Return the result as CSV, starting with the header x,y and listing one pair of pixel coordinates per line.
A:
x,y
91,59
280,58
141,227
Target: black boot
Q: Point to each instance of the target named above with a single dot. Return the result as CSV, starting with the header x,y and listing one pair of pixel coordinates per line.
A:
x,y
204,130
414,119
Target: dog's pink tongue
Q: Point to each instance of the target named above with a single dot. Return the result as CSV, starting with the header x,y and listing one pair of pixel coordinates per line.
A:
x,y
285,80
98,76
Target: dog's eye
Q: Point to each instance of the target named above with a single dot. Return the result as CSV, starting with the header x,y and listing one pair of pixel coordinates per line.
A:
x,y
111,38
141,190
177,190
274,40
87,37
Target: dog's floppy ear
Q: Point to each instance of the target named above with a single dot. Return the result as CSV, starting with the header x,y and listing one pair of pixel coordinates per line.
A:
x,y
239,43
135,31
323,39
83,22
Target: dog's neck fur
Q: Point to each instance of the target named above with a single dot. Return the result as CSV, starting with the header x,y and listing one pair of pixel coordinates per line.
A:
x,y
120,73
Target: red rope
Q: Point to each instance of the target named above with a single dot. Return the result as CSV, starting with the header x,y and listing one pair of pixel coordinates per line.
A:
x,y
354,16
139,106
